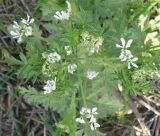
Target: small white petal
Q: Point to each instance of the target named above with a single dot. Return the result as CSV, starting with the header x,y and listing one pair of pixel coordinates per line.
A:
x,y
31,21
123,42
13,33
63,15
57,17
68,6
134,65
129,43
134,59
92,127
118,46
93,120
80,120
83,111
19,39
28,31
129,65
94,111
96,125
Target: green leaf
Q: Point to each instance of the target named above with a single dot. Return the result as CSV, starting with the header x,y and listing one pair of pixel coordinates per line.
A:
x,y
102,94
57,100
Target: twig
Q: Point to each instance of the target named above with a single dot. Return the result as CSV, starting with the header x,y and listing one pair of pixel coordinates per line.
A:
x,y
131,104
157,132
26,7
6,8
145,129
151,100
137,129
154,126
44,131
146,105
4,42
125,132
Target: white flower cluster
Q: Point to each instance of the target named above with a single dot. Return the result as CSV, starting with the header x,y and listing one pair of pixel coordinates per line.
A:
x,y
68,50
50,86
93,44
54,57
88,114
24,28
142,20
153,36
72,68
126,54
154,24
91,74
64,15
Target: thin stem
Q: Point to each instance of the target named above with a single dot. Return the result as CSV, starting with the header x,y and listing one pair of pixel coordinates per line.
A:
x,y
82,93
82,86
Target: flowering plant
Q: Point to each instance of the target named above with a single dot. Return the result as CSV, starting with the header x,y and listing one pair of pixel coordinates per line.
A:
x,y
77,65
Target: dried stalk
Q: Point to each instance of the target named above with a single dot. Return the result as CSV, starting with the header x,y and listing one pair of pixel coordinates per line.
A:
x,y
146,105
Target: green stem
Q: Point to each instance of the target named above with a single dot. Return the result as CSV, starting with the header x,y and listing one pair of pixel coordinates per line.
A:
x,y
82,93
82,86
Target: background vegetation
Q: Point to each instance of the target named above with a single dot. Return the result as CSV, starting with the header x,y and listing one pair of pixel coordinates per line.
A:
x,y
127,99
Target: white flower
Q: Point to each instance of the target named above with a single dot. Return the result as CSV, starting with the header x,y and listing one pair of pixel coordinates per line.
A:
x,y
68,50
28,31
54,57
94,124
131,62
124,45
83,111
80,120
142,20
72,68
155,22
26,25
97,43
89,115
50,86
68,7
16,26
91,112
64,15
152,37
19,30
91,74
17,35
86,36
125,54
27,21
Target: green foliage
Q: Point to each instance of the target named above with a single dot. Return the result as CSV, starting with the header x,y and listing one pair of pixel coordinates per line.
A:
x,y
91,23
102,93
57,101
